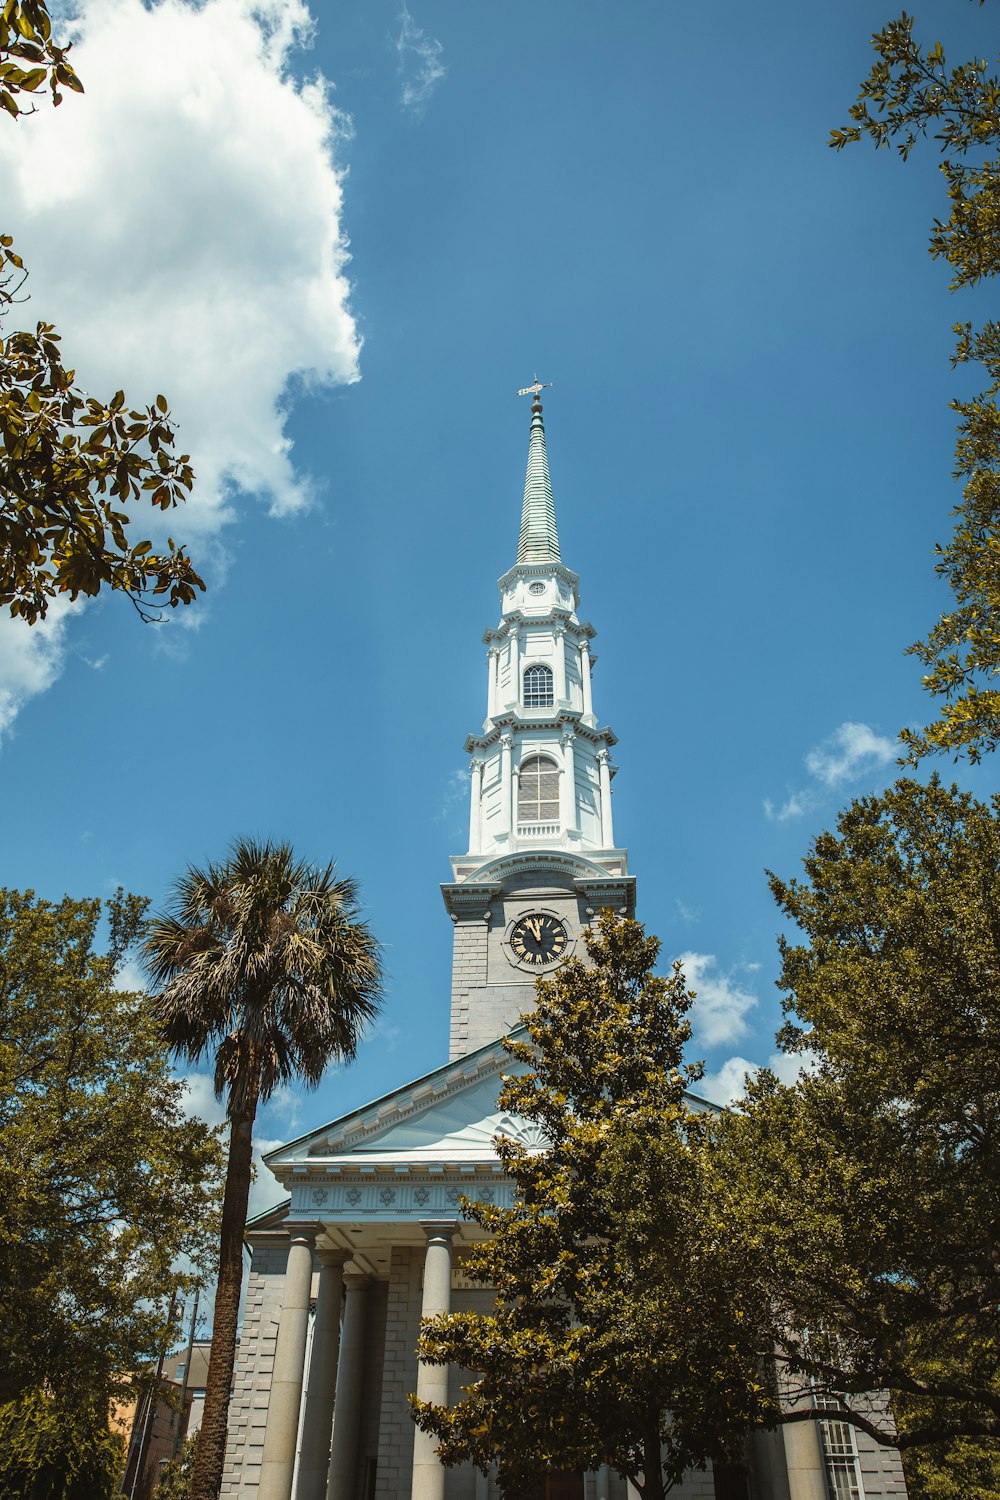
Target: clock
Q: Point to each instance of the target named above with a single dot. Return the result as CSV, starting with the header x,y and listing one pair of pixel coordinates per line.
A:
x,y
538,939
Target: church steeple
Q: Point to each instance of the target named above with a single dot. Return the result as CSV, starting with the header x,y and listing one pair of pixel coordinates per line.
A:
x,y
542,857
539,539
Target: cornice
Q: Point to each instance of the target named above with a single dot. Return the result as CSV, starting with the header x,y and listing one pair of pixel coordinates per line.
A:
x,y
579,629
541,569
581,870
513,720
457,1077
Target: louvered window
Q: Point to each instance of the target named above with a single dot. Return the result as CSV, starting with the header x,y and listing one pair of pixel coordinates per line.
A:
x,y
538,791
538,688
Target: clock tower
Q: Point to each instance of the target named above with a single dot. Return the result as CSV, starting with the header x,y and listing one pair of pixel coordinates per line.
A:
x,y
542,859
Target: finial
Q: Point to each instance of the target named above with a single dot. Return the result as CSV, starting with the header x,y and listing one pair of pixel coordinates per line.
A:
x,y
536,390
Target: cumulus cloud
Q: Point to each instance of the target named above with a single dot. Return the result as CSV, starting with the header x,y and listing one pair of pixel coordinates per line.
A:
x,y
729,1082
183,226
31,658
420,65
850,753
721,1003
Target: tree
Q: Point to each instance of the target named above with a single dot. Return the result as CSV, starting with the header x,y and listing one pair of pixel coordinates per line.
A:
x,y
29,58
872,1188
264,961
104,1180
175,1477
58,1450
909,93
69,463
627,1329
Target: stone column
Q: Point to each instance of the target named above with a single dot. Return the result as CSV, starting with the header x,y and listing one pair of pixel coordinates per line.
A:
x,y
567,785
347,1407
278,1459
432,1380
314,1460
607,827
804,1461
559,633
506,820
476,805
588,694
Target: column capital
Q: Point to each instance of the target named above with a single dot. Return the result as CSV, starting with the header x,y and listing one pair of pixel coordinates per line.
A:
x,y
328,1255
604,757
305,1232
439,1229
357,1280
506,740
568,736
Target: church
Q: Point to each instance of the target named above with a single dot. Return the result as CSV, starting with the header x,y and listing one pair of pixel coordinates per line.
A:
x,y
371,1237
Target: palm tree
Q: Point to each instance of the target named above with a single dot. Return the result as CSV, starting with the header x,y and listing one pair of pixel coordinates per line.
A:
x,y
264,961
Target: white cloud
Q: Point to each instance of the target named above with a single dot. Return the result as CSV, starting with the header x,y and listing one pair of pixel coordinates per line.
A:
x,y
31,658
182,222
454,793
420,62
851,752
265,1190
729,1083
130,978
200,1100
687,914
721,1003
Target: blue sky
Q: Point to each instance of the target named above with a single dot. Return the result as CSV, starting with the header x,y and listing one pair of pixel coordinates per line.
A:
x,y
749,438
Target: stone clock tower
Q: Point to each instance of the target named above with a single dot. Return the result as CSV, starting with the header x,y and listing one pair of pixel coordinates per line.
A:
x,y
542,858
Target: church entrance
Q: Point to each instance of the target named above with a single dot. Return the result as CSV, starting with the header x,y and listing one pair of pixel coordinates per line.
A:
x,y
564,1486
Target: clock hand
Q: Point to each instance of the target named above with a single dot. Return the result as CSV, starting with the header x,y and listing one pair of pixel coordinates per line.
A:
x,y
536,924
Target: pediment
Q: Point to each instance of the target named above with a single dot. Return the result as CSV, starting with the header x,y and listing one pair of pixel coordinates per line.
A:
x,y
447,1118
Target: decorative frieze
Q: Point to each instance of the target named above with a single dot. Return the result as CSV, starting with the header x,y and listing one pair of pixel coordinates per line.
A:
x,y
390,1202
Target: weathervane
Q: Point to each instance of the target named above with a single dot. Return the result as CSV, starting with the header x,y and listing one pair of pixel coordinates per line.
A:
x,y
536,389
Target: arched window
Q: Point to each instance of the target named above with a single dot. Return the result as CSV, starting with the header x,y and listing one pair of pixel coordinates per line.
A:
x,y
538,688
538,791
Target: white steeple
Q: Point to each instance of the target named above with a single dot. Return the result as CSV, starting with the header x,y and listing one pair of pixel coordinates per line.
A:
x,y
542,858
541,769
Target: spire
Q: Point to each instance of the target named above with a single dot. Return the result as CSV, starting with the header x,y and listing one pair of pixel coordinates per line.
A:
x,y
539,539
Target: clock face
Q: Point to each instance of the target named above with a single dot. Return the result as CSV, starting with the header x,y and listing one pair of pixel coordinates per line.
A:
x,y
538,939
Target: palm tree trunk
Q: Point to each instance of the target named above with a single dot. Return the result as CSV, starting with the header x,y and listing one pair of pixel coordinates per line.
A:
x,y
210,1454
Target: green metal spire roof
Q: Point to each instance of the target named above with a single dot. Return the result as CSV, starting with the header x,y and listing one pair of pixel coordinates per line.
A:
x,y
539,539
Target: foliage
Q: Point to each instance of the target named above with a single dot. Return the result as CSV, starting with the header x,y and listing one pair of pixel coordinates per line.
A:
x,y
51,1450
29,58
175,1477
265,962
70,464
959,1470
872,1188
625,1316
910,93
103,1178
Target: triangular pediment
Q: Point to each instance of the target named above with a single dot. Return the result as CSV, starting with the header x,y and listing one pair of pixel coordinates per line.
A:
x,y
448,1117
